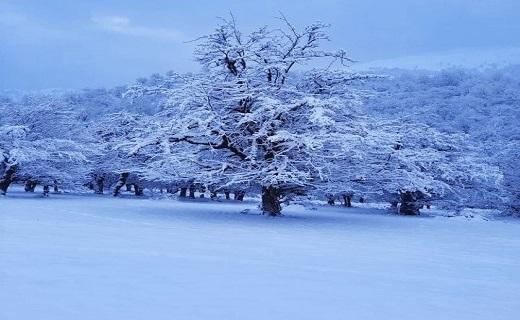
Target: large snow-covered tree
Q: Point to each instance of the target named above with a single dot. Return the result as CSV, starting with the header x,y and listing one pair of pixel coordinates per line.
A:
x,y
250,121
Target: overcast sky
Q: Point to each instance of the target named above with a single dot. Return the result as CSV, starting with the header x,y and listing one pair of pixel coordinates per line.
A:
x,y
92,43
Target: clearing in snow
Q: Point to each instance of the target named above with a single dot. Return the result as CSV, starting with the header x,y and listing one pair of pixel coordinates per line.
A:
x,y
85,257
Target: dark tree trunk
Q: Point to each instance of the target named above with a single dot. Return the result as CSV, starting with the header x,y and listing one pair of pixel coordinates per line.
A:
x,y
55,187
347,201
138,191
271,201
192,192
120,183
409,205
213,195
330,199
129,187
100,183
361,200
46,190
184,192
30,186
7,179
239,195
228,197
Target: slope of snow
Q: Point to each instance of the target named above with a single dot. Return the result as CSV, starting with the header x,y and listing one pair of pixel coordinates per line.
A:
x,y
483,58
85,257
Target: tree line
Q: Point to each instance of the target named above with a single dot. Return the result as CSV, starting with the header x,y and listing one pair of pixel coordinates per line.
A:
x,y
262,118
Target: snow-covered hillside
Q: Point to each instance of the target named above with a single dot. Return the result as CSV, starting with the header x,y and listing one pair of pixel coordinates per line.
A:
x,y
467,58
90,257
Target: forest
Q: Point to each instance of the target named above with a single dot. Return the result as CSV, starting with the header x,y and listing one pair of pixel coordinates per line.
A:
x,y
260,119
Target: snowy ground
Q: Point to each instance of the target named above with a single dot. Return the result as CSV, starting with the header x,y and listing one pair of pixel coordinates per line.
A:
x,y
81,257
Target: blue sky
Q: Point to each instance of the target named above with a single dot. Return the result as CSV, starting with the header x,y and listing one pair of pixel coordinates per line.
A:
x,y
93,43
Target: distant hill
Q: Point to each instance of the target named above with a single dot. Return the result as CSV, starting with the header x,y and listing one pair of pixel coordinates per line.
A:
x,y
468,58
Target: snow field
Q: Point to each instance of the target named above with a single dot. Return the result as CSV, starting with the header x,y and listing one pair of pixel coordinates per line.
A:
x,y
85,257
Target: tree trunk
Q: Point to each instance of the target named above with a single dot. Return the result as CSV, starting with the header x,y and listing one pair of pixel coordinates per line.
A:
x,y
129,187
184,192
361,200
55,187
213,195
347,201
192,192
271,201
122,181
408,204
7,179
100,182
46,190
239,195
30,186
138,191
330,199
227,195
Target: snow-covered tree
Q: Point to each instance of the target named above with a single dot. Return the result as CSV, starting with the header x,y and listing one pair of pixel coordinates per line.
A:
x,y
426,164
113,165
247,121
41,144
483,104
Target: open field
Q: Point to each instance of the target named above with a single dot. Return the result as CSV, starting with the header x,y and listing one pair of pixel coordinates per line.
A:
x,y
82,257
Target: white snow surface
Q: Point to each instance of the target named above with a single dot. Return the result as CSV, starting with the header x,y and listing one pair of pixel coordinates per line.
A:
x,y
85,257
